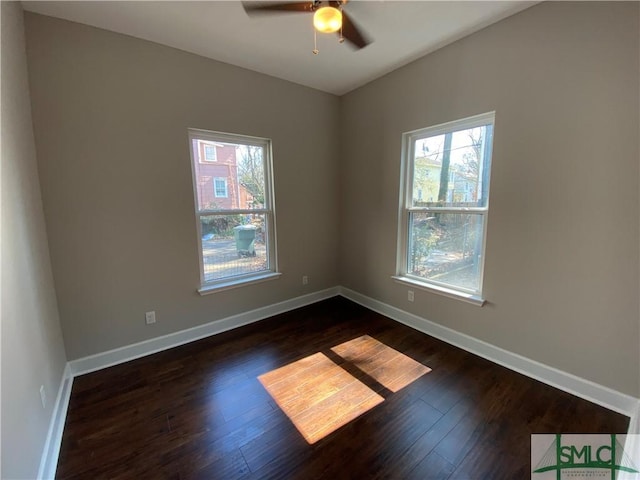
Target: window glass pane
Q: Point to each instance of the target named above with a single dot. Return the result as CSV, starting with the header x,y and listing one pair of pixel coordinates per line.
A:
x,y
452,169
233,245
446,248
220,187
209,153
235,181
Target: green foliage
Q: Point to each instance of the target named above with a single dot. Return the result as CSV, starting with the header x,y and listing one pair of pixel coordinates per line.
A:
x,y
220,225
426,234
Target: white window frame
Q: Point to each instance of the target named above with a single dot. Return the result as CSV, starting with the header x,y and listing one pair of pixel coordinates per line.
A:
x,y
406,209
204,152
215,187
268,210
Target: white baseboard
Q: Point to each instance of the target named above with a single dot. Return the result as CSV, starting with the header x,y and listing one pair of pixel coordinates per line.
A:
x,y
154,345
634,421
632,442
607,397
49,460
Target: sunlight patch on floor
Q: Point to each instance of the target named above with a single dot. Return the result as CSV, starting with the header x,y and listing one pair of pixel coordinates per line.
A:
x,y
319,396
385,365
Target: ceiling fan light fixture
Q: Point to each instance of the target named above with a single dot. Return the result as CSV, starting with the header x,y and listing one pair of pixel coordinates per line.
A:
x,y
327,19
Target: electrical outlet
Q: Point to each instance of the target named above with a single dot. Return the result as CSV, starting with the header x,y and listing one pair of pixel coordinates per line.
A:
x,y
410,295
43,396
305,280
150,317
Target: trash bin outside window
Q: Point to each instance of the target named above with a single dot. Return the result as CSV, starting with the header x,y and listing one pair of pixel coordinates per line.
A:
x,y
245,236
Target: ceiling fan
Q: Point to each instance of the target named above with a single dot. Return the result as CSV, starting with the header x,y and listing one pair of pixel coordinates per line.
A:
x,y
328,17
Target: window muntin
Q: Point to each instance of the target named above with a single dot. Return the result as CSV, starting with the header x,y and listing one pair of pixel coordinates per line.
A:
x,y
220,187
234,208
445,203
209,153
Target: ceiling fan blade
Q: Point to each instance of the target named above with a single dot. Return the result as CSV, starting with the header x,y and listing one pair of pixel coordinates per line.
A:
x,y
253,8
352,33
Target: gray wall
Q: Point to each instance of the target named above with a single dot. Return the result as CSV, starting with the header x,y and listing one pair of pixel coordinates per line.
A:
x,y
561,274
111,114
32,348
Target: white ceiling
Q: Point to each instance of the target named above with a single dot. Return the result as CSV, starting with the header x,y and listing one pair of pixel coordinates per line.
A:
x,y
281,45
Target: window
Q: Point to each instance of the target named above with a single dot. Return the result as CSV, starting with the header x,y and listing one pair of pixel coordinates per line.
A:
x,y
210,153
235,215
220,187
444,207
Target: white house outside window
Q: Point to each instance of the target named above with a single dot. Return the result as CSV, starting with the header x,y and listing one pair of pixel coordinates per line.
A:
x,y
235,214
444,207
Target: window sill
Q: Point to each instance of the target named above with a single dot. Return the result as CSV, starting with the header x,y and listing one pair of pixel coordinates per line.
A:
x,y
447,292
239,282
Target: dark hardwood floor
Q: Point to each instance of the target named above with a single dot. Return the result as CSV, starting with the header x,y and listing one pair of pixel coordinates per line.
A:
x,y
199,411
